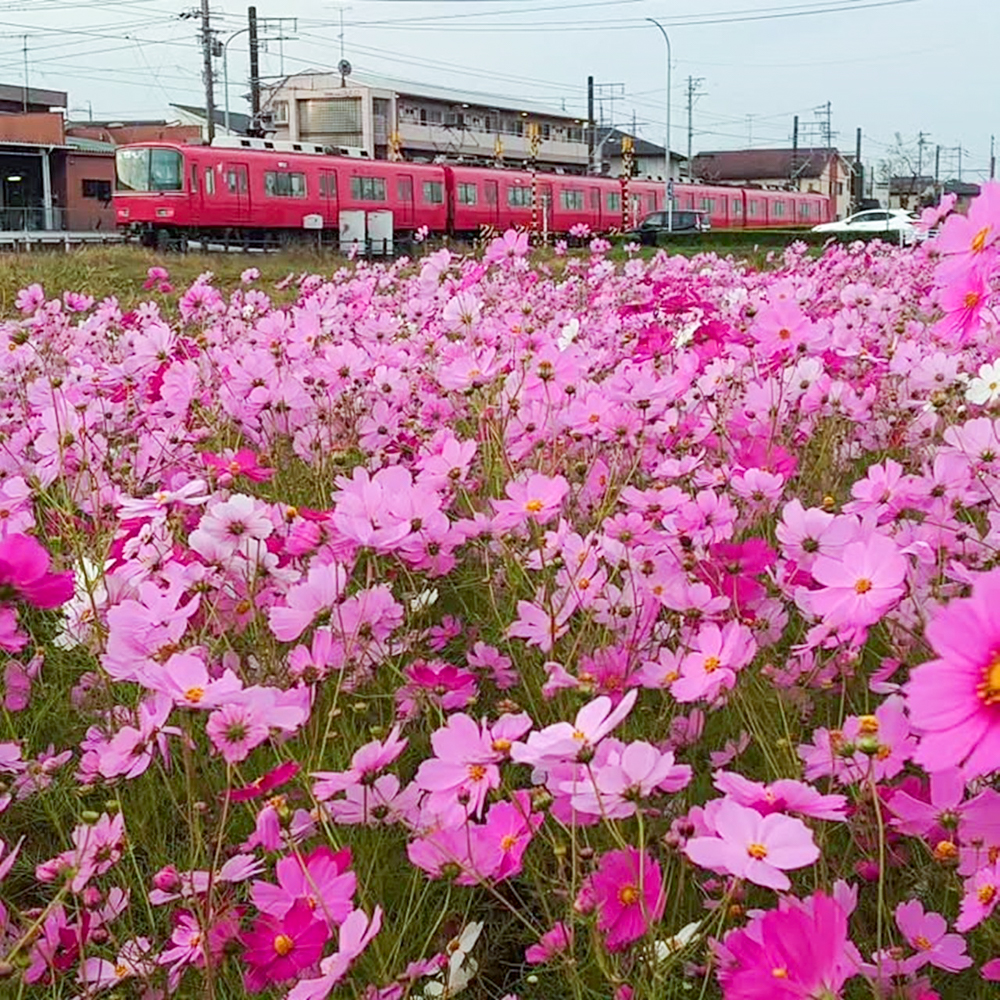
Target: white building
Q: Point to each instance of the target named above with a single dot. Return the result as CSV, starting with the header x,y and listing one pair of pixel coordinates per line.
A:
x,y
383,117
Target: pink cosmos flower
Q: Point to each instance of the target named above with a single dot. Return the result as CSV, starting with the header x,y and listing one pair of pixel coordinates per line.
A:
x,y
859,585
566,741
236,729
927,933
24,573
982,893
318,593
964,300
784,795
355,935
536,498
278,948
716,657
627,890
511,246
553,942
321,879
954,700
794,953
365,764
185,678
757,848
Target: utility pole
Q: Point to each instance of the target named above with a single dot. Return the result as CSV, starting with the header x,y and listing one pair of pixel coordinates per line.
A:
x,y
859,173
993,159
254,71
206,52
960,163
795,147
937,165
921,142
25,100
591,140
693,84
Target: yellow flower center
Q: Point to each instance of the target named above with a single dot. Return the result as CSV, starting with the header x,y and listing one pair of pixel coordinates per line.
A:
x,y
971,300
922,943
500,745
711,664
779,973
194,695
757,851
628,895
945,850
863,586
283,944
979,240
508,842
579,736
121,971
989,687
477,772
868,725
534,506
985,894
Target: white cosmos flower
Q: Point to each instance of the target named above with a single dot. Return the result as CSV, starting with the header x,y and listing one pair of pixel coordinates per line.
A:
x,y
568,334
462,967
986,388
672,945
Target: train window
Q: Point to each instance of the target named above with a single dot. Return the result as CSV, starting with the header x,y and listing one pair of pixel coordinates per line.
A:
x,y
231,181
280,184
166,170
404,189
753,207
650,202
518,197
804,210
614,201
571,201
467,194
209,180
433,193
368,188
779,208
491,192
194,178
737,206
595,200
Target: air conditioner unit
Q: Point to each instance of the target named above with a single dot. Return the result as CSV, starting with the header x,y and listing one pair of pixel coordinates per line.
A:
x,y
451,120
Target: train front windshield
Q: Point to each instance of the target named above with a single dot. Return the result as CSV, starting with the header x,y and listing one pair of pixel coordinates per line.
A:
x,y
149,170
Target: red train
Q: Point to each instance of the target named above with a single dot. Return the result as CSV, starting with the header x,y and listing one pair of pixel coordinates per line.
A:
x,y
255,192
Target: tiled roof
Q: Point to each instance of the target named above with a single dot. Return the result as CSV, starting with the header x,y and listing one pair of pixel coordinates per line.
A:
x,y
761,164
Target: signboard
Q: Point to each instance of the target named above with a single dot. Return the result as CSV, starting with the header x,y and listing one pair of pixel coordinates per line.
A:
x,y
314,221
352,231
380,233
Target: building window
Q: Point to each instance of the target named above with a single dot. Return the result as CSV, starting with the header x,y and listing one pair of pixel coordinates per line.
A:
x,y
368,188
546,130
433,193
435,116
571,201
423,116
101,190
575,134
281,112
467,194
840,187
614,201
518,197
277,183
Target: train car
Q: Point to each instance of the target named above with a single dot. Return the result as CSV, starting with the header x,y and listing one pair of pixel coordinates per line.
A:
x,y
167,193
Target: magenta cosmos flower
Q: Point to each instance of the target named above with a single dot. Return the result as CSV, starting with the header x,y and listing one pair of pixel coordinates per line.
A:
x,y
757,848
278,948
954,701
24,574
627,890
799,952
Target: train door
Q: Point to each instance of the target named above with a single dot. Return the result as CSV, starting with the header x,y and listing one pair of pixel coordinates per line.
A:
x,y
404,194
546,209
491,190
238,187
328,199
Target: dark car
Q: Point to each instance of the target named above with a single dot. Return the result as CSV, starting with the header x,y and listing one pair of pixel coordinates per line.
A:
x,y
655,226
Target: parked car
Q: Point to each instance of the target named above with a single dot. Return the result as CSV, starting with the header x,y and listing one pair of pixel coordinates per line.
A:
x,y
896,223
656,225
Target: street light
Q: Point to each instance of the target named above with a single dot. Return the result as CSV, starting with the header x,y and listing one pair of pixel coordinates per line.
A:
x,y
225,70
668,182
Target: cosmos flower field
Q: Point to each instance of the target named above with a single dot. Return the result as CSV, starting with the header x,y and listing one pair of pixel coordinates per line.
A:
x,y
508,626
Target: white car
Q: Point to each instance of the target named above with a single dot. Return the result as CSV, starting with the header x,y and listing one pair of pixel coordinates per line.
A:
x,y
896,223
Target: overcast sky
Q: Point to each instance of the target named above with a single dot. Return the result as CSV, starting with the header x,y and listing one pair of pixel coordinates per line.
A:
x,y
895,66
